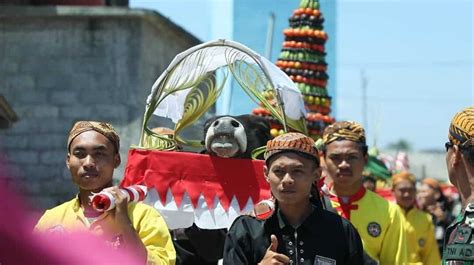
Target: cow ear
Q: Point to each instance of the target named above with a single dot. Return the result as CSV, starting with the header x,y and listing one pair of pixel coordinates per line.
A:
x,y
254,120
262,124
258,125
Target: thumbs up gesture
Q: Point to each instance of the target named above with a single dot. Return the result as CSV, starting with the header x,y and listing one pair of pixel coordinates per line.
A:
x,y
272,256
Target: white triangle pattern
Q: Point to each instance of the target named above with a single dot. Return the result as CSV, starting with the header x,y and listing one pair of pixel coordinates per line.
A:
x,y
185,215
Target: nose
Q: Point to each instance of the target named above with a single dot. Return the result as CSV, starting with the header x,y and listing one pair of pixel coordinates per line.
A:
x,y
225,125
287,180
344,164
88,161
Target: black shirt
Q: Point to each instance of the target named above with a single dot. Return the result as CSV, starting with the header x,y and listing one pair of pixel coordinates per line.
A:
x,y
323,238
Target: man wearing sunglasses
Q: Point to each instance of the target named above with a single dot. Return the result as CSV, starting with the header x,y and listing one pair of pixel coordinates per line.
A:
x,y
459,238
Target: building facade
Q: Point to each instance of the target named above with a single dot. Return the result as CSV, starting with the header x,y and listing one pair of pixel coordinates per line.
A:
x,y
63,64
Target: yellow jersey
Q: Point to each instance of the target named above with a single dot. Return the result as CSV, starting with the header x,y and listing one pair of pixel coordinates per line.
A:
x,y
147,222
379,223
422,246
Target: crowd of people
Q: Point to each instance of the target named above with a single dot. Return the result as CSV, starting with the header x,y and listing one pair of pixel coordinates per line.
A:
x,y
346,223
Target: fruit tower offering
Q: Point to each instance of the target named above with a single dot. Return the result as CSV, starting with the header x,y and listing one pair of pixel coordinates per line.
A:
x,y
302,58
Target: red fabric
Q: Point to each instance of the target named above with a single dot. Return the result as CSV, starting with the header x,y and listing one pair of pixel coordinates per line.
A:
x,y
195,174
386,193
346,208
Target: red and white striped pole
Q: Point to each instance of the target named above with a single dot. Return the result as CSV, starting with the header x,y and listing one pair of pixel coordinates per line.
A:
x,y
105,201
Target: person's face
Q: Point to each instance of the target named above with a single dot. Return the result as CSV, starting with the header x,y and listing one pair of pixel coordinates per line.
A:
x,y
369,184
426,195
405,194
92,160
291,177
345,163
456,171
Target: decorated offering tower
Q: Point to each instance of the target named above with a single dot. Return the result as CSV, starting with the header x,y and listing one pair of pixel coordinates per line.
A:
x,y
302,58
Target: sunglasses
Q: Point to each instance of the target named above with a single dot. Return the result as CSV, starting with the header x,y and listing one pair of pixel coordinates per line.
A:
x,y
448,145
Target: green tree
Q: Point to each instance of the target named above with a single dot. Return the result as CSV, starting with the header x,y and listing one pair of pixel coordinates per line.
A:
x,y
400,145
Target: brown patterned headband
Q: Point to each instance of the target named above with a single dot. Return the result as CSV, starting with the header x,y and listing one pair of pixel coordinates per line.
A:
x,y
101,127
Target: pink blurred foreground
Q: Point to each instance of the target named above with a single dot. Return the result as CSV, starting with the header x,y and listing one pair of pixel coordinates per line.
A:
x,y
18,245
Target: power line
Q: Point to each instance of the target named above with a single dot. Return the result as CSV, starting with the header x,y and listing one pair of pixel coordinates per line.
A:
x,y
432,64
407,99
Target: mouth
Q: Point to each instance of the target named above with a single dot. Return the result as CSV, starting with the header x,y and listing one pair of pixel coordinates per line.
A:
x,y
345,174
224,146
90,175
287,191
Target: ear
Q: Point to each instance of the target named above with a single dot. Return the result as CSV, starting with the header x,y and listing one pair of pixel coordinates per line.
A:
x,y
457,156
265,173
68,157
366,159
117,160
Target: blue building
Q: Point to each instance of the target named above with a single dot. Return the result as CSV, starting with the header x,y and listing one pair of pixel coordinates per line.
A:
x,y
247,22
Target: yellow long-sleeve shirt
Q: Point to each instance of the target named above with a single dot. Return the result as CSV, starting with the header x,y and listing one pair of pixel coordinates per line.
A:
x,y
147,222
379,223
422,246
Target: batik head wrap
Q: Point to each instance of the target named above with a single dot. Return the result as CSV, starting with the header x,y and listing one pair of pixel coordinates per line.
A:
x,y
101,127
295,142
344,130
461,130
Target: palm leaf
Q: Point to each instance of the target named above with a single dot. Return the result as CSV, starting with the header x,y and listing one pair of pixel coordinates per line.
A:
x,y
189,87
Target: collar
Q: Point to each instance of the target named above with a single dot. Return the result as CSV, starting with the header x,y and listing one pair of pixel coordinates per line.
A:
x,y
76,204
282,222
80,214
345,207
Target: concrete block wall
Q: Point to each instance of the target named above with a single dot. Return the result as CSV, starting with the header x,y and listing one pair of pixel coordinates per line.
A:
x,y
63,64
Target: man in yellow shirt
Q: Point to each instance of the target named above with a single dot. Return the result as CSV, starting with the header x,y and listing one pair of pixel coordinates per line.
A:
x,y
422,246
379,223
93,154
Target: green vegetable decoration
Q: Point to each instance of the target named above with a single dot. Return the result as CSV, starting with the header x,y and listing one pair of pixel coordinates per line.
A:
x,y
302,58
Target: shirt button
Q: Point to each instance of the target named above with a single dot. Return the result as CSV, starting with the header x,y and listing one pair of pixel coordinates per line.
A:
x,y
301,251
301,243
291,261
290,243
291,252
301,260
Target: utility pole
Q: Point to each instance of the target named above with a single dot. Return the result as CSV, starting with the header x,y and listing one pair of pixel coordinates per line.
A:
x,y
269,42
364,83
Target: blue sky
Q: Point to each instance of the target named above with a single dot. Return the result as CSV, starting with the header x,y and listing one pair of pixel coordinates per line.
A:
x,y
417,56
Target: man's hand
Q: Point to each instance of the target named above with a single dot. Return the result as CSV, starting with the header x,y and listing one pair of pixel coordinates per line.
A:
x,y
123,223
120,213
271,256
